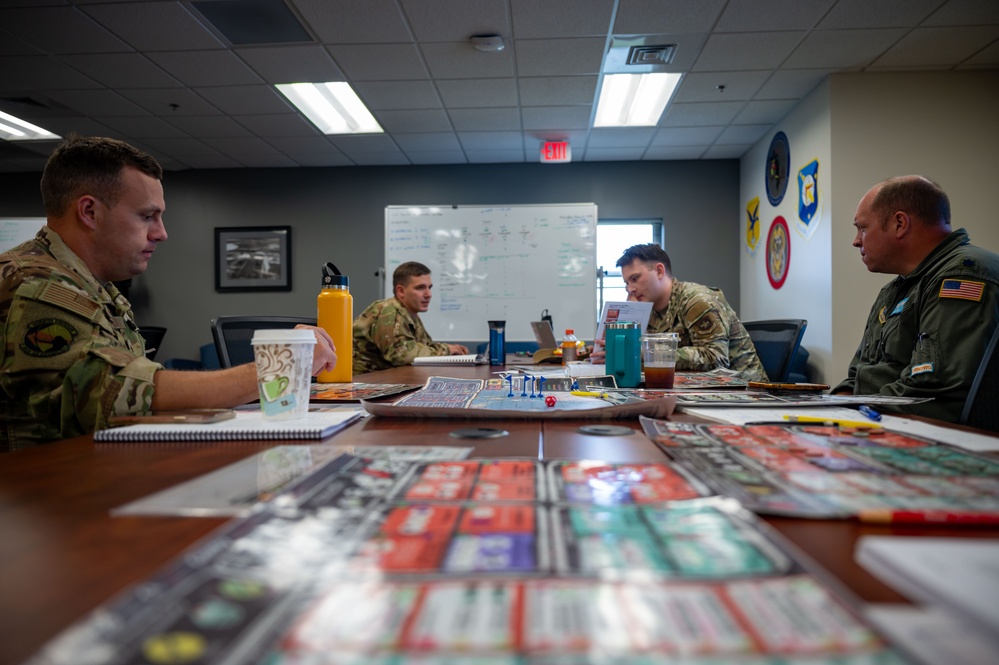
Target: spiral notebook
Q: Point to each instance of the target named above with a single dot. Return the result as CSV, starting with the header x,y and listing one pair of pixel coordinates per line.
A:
x,y
464,359
247,425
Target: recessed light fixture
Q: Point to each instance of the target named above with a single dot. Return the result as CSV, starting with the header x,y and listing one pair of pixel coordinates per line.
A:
x,y
332,107
634,100
15,129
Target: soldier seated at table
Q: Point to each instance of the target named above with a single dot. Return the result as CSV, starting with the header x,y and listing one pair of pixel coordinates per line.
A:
x,y
389,332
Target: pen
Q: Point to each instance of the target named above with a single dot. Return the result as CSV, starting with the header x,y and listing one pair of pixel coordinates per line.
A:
x,y
588,393
832,421
951,517
869,412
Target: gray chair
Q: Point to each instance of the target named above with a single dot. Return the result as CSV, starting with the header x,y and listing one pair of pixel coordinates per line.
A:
x,y
776,342
232,335
981,409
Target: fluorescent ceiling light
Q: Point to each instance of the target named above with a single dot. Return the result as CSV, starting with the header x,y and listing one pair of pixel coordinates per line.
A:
x,y
634,100
332,107
15,129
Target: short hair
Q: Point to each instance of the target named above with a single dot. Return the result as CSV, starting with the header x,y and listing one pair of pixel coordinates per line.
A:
x,y
91,165
407,270
648,253
917,196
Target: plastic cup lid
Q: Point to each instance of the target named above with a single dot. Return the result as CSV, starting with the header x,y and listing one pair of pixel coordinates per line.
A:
x,y
285,336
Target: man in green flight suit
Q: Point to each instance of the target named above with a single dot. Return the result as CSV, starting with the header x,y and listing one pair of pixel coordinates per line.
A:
x,y
389,332
711,335
928,329
72,355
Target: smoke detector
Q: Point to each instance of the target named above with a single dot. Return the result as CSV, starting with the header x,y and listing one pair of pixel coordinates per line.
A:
x,y
487,43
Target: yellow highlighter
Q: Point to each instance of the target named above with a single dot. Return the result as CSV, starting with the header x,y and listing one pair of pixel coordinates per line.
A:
x,y
588,393
832,421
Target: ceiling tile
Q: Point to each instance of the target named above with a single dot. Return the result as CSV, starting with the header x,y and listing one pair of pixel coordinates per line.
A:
x,y
743,134
559,57
379,95
842,49
860,14
561,18
675,152
171,102
428,142
456,20
759,112
621,137
726,151
291,64
146,127
987,57
770,15
40,72
437,157
124,70
495,156
355,21
478,93
60,30
96,102
425,120
481,120
693,115
924,47
965,12
746,51
155,26
556,117
206,68
247,99
613,154
458,60
792,83
640,17
379,62
686,136
558,90
210,128
472,141
278,125
703,87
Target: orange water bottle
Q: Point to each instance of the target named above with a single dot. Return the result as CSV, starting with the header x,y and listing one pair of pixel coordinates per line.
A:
x,y
335,315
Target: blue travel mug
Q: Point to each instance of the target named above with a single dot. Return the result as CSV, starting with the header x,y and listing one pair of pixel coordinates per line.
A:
x,y
624,355
497,342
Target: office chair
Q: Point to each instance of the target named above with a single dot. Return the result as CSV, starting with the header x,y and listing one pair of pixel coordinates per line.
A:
x,y
154,339
776,342
980,408
232,335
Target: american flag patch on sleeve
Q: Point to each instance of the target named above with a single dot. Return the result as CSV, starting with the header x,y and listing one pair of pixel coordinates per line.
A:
x,y
963,289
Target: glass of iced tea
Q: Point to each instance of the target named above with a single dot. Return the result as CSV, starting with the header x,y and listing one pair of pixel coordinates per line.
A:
x,y
659,358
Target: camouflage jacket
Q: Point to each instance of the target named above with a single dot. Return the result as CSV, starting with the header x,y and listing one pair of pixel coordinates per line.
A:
x,y
711,335
72,354
387,335
927,331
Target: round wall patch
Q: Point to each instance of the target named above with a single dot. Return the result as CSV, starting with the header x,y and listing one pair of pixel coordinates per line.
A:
x,y
48,337
778,252
778,168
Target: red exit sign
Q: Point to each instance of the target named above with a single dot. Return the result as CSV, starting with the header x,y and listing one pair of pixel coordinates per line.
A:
x,y
553,152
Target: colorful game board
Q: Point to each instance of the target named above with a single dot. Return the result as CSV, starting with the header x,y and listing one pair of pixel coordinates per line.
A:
x,y
355,392
827,471
481,561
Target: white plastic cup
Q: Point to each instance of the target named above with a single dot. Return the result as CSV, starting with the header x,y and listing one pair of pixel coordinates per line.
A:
x,y
284,371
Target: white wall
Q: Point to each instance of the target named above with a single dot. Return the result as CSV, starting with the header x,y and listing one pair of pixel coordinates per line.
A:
x,y
805,293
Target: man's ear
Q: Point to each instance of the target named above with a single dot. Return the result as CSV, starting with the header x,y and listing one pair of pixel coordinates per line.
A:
x,y
87,211
901,223
397,290
660,270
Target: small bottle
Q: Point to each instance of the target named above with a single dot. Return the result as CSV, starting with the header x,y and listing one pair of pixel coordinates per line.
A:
x,y
335,314
569,347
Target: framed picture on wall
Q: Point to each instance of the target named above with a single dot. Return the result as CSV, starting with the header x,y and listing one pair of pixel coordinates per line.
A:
x,y
253,258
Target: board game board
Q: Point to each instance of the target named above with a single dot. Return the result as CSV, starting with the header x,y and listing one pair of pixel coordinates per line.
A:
x,y
828,471
355,392
518,396
482,561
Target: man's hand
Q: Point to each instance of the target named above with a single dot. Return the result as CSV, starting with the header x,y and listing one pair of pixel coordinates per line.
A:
x,y
324,352
599,353
457,349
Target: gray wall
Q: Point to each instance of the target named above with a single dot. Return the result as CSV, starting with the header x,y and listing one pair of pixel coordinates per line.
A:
x,y
337,214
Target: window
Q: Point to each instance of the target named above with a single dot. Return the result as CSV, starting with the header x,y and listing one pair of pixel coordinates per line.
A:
x,y
613,237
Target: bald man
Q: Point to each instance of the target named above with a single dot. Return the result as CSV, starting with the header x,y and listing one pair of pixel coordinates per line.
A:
x,y
928,329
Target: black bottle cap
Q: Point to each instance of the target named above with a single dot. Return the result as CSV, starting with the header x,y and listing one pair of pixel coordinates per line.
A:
x,y
332,276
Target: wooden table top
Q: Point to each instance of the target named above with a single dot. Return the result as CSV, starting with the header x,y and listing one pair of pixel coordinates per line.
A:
x,y
63,554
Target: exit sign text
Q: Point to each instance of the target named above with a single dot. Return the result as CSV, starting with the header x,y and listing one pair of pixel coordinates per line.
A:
x,y
553,152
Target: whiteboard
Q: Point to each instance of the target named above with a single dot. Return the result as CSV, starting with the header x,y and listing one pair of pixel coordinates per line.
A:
x,y
15,230
499,263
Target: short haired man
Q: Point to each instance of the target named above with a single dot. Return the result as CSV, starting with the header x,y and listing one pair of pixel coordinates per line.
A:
x,y
72,355
711,335
928,329
389,332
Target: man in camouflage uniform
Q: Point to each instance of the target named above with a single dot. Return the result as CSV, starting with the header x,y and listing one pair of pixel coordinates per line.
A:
x,y
711,335
928,329
72,355
389,332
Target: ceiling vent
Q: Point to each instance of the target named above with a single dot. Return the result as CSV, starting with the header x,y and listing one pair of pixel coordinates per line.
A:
x,y
253,21
651,55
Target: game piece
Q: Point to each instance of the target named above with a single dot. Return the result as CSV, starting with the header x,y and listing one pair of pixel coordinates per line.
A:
x,y
550,400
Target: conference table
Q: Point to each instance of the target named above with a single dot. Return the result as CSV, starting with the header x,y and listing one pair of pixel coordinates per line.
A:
x,y
62,553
